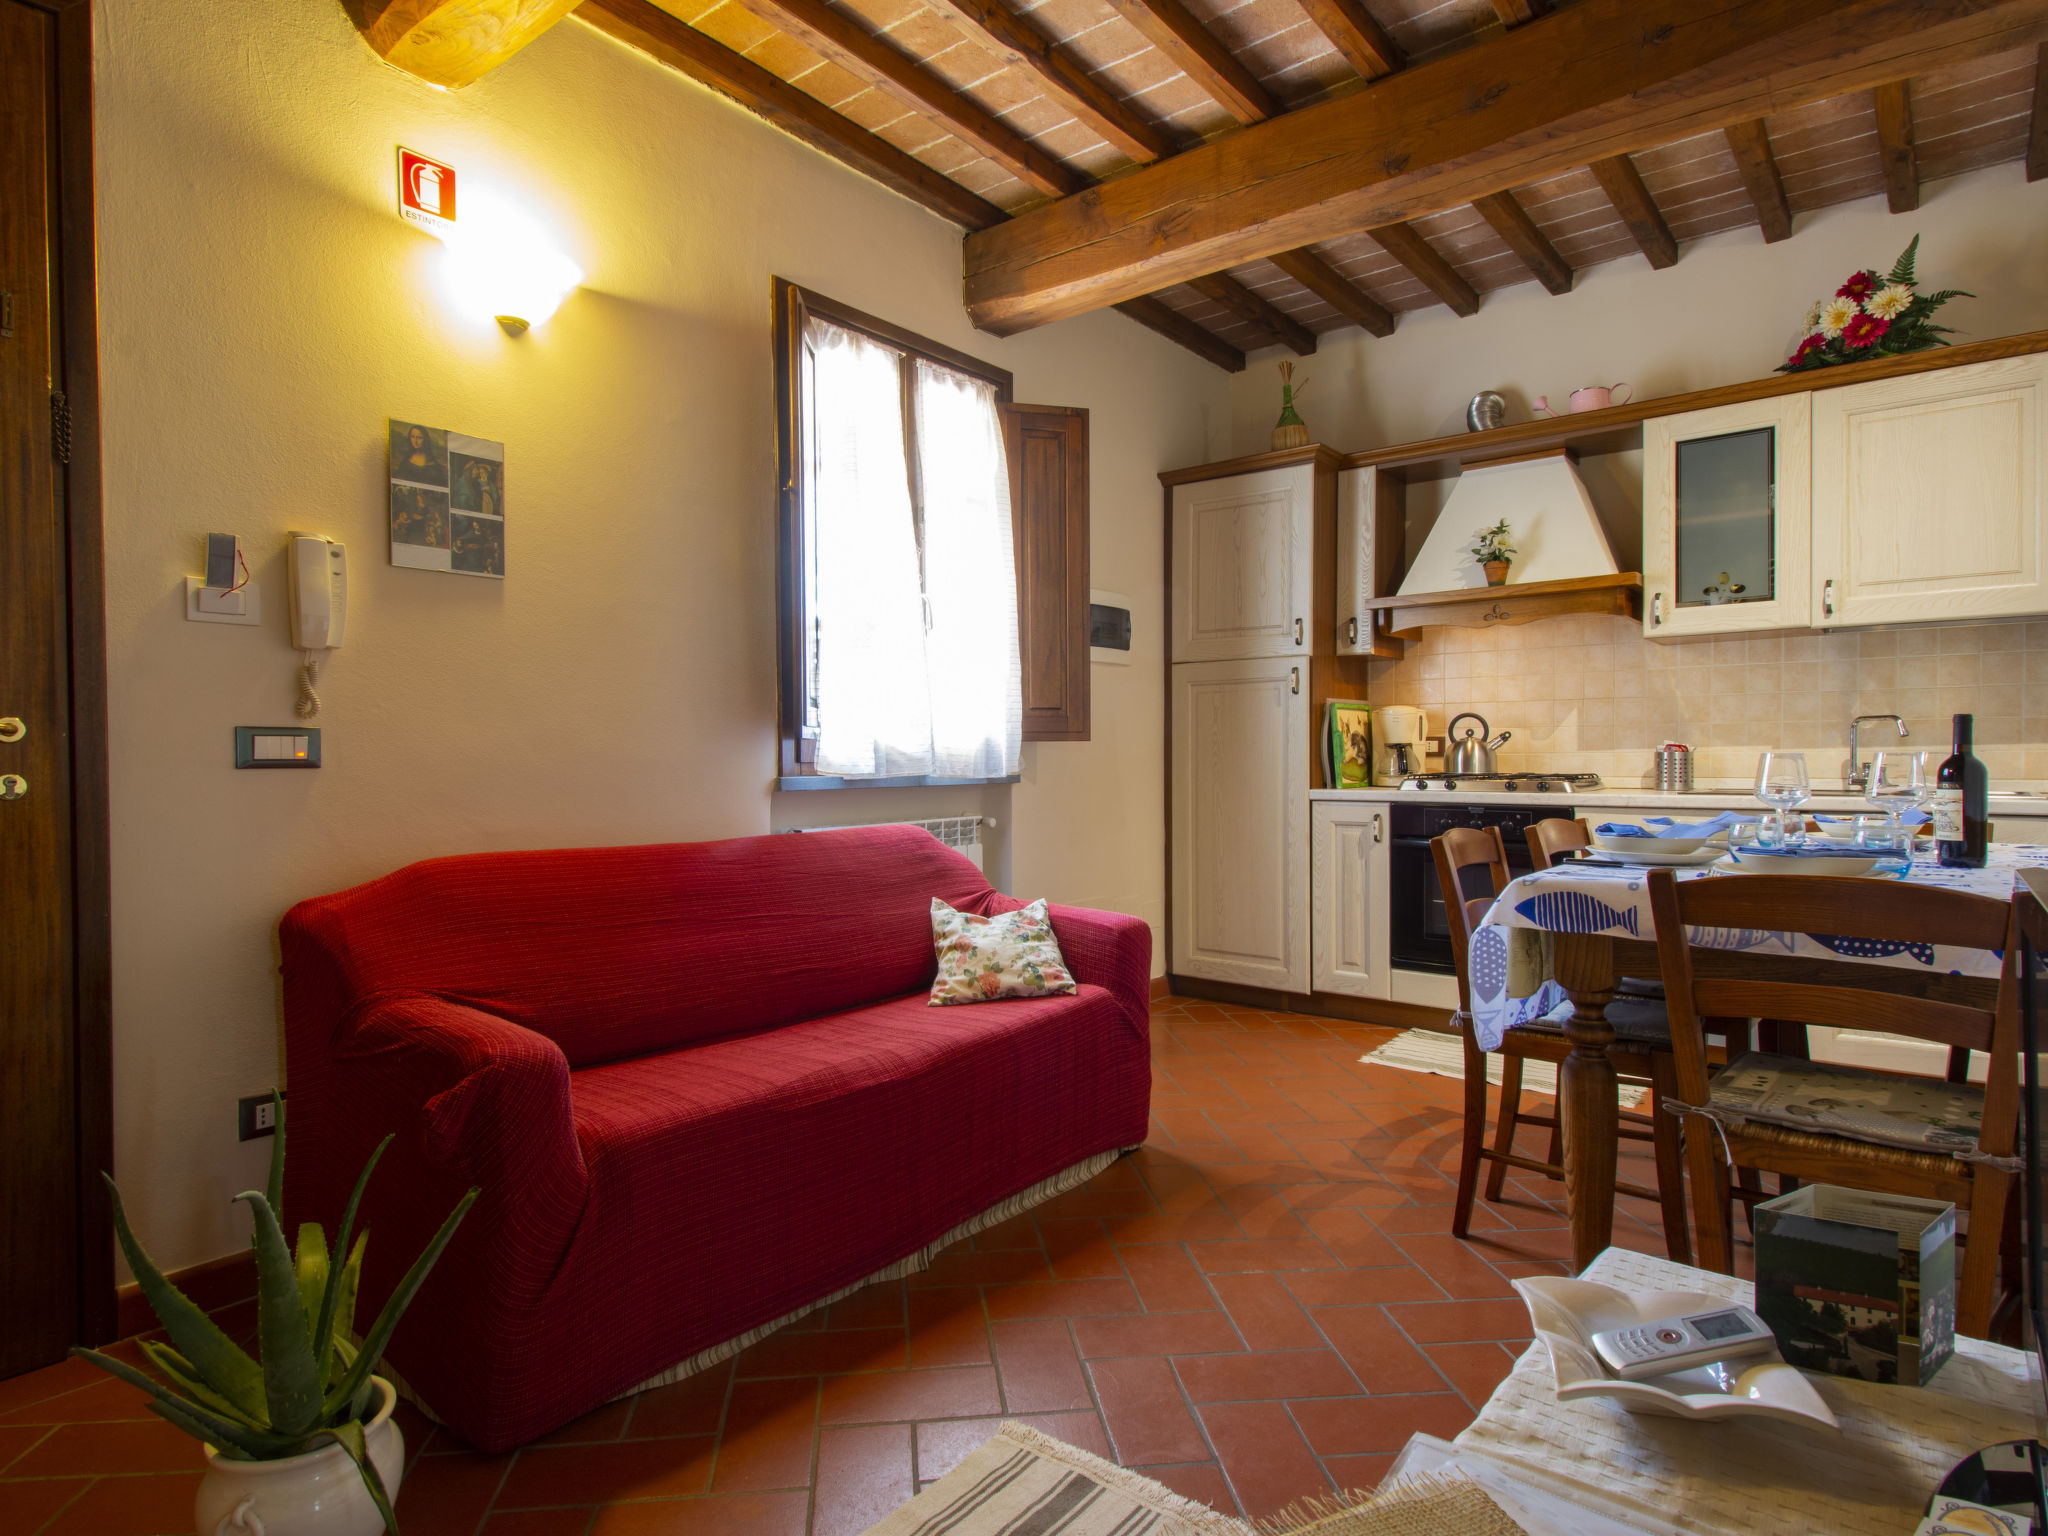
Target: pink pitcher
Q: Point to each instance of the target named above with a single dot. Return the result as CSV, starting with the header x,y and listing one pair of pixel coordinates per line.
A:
x,y
1593,397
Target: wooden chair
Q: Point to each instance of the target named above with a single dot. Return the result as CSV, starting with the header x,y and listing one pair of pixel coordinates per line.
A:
x,y
1640,1054
1554,835
1860,909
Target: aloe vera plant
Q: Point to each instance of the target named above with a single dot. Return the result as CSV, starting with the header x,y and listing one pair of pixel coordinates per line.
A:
x,y
308,1385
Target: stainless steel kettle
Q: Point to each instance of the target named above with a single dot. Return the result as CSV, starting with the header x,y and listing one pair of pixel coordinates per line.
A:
x,y
1472,752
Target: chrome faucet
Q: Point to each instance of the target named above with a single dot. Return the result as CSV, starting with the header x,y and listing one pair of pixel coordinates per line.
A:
x,y
1858,774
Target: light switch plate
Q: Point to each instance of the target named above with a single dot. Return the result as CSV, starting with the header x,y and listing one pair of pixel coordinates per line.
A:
x,y
277,746
252,603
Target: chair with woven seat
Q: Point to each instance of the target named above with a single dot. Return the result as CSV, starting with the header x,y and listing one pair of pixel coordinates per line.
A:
x,y
1554,835
1640,1054
1944,1010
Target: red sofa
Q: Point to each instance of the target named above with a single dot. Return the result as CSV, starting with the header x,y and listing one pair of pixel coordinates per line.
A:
x,y
697,1083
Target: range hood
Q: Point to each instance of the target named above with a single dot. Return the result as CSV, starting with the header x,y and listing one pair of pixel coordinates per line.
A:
x,y
1555,531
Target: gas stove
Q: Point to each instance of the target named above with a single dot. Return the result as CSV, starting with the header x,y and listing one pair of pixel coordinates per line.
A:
x,y
1502,783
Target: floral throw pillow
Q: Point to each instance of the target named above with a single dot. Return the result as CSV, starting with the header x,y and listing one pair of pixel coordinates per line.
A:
x,y
1012,954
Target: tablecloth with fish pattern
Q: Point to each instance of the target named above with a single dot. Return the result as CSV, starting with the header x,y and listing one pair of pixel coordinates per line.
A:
x,y
1511,953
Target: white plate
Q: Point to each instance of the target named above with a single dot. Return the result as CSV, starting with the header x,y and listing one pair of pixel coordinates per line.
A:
x,y
1608,844
1799,864
1653,860
1567,1313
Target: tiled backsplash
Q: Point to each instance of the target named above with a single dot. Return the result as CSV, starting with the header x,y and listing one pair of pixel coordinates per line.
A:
x,y
1590,694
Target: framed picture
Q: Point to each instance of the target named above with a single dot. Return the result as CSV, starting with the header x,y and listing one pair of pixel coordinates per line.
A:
x,y
1348,738
447,501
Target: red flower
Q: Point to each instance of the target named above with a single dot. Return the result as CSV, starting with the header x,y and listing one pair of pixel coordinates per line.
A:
x,y
1863,330
1808,347
1859,287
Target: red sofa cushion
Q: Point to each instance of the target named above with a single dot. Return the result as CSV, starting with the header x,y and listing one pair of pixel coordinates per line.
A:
x,y
616,952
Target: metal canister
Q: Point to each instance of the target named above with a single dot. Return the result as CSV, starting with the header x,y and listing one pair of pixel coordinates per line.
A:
x,y
1674,767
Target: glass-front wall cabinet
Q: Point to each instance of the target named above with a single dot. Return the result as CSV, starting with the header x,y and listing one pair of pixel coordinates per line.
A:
x,y
1726,518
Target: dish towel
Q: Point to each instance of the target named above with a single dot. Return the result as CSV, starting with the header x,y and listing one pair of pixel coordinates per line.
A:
x,y
1664,826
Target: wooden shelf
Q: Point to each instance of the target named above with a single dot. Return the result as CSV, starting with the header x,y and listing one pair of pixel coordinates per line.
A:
x,y
1516,603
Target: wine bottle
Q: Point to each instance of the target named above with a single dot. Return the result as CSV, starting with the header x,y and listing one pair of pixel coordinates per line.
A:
x,y
1961,821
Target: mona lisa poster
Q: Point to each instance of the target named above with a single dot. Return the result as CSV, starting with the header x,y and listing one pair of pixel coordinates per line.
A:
x,y
447,501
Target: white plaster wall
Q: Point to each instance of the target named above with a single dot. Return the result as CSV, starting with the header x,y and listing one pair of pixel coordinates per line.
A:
x,y
264,311
1729,310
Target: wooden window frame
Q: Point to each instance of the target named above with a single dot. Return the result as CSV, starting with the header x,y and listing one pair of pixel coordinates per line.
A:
x,y
795,305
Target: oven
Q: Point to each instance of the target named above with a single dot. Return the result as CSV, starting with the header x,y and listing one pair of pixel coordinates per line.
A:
x,y
1419,921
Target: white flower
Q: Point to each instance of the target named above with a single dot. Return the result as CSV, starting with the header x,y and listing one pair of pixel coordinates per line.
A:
x,y
1813,315
1835,314
1890,301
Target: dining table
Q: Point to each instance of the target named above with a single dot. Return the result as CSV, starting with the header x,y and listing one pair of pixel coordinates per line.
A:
x,y
1555,943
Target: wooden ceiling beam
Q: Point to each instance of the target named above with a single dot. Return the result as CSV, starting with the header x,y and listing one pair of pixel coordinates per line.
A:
x,y
1064,76
1623,184
848,44
1750,144
1895,147
1511,221
2037,120
1513,13
1335,289
1594,80
1255,311
1406,245
654,32
1354,33
449,43
1176,32
1158,315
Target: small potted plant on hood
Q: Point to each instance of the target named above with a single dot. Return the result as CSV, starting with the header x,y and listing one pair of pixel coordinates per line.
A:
x,y
300,1440
1494,553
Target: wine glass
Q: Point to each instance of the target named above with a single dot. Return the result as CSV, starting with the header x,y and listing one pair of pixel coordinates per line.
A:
x,y
1782,784
1890,784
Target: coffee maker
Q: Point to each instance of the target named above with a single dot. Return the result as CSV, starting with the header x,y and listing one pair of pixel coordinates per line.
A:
x,y
1399,735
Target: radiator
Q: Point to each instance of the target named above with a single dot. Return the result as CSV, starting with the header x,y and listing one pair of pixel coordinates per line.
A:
x,y
961,833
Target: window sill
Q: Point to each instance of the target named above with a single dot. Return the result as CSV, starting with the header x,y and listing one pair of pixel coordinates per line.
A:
x,y
808,781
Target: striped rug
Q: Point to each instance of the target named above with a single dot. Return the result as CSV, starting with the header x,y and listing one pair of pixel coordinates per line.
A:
x,y
1023,1483
1442,1055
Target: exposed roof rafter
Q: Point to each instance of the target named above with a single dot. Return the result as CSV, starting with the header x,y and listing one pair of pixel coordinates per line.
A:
x,y
1750,144
1895,147
1407,246
1512,223
2037,119
1176,32
1158,315
1335,290
1255,311
1623,184
1354,33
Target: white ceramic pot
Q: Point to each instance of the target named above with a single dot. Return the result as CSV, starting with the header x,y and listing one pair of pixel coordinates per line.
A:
x,y
318,1494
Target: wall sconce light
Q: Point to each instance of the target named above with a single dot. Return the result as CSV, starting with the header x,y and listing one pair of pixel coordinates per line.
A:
x,y
503,265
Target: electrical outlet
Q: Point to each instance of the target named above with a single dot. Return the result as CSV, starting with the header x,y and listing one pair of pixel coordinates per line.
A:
x,y
256,1116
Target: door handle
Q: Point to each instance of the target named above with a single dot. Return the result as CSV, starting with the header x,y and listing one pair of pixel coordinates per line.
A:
x,y
1827,599
1379,827
1297,631
1351,631
1297,680
1656,609
12,786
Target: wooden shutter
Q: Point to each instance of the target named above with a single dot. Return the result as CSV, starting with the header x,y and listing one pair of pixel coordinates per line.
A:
x,y
1048,451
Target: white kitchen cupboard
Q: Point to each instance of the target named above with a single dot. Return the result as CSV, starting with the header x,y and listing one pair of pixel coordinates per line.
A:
x,y
1726,504
1243,565
1370,511
1240,822
1350,864
1927,496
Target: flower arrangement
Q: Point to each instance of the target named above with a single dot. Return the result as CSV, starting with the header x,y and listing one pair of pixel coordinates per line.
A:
x,y
1492,544
1872,316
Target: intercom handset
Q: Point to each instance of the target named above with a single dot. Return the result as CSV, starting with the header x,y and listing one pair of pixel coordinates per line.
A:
x,y
316,571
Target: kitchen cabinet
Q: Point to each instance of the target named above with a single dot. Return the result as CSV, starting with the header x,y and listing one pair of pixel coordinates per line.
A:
x,y
1240,833
1927,496
1727,527
1370,513
1349,862
1243,565
2019,829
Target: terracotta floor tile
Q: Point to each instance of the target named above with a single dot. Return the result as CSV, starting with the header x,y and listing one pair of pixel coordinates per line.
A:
x,y
1078,1250
1064,1298
1202,1481
743,1514
829,1353
50,1381
537,1522
1367,1194
1019,1231
1377,1351
25,1506
964,1266
1350,1426
1474,1369
766,1443
1268,1462
150,1445
606,1423
1462,1268
1359,1287
16,1439
1040,1365
1261,1256
1266,1312
598,1474
872,1306
1359,1474
692,1406
1078,1429
1348,1233
451,1492
130,1506
864,1472
1157,1333
1455,1322
889,1396
942,1443
101,1400
1265,1377
947,1327
1174,1227
1146,1412
1166,1279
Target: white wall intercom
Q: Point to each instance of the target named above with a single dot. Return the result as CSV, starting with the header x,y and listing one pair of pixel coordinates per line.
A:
x,y
316,575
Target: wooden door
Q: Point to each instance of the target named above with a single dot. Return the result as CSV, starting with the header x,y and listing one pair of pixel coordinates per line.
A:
x,y
1349,868
1048,452
1243,565
1927,496
1240,822
1727,504
56,1282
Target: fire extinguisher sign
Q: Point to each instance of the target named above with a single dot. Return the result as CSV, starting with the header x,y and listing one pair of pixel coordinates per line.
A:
x,y
426,191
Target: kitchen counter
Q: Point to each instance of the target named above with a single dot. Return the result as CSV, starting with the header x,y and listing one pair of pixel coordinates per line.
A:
x,y
1704,802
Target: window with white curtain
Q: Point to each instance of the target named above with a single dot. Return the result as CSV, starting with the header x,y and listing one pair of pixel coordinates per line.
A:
x,y
906,661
